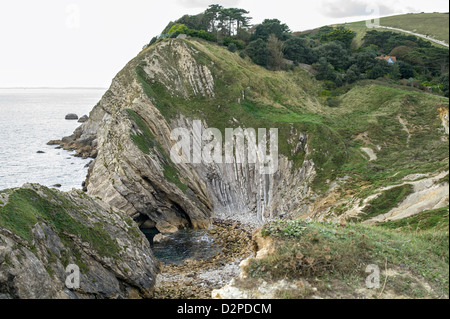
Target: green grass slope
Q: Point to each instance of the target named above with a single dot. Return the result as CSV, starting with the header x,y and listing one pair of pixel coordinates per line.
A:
x,y
26,208
294,100
333,257
434,25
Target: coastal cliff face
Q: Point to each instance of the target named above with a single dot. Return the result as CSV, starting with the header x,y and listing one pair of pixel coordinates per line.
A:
x,y
324,171
380,154
43,231
130,131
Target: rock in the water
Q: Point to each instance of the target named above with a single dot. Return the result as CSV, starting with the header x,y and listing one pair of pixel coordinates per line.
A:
x,y
71,116
83,119
147,224
54,142
57,185
40,152
166,228
159,238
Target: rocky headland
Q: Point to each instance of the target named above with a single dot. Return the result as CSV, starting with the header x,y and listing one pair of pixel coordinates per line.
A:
x,y
43,231
335,164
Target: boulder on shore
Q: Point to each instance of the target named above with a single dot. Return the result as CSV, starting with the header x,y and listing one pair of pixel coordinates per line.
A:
x,y
83,119
166,228
71,116
159,238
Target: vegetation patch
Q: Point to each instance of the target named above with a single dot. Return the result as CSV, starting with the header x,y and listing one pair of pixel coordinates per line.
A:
x,y
145,140
326,253
443,180
436,219
386,201
26,207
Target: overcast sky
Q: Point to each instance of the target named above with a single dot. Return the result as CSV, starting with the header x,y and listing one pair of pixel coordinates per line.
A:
x,y
84,43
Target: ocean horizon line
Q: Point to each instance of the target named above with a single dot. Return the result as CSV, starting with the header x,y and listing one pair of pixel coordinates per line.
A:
x,y
52,88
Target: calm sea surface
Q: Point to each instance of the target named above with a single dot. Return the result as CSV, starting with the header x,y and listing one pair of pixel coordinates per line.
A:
x,y
29,118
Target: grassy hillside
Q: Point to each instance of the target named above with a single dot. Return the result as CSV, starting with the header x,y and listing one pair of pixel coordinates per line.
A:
x,y
376,111
434,25
400,124
436,219
295,100
333,257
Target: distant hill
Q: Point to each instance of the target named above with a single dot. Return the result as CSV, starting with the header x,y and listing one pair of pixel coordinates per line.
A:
x,y
431,24
434,25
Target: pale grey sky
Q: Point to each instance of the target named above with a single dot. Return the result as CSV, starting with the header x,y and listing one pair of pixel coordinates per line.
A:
x,y
84,43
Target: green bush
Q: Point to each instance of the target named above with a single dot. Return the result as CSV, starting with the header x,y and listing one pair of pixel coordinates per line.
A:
x,y
232,47
258,52
202,34
227,41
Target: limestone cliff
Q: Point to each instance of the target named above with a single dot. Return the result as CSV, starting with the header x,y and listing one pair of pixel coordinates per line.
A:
x,y
323,171
43,231
130,130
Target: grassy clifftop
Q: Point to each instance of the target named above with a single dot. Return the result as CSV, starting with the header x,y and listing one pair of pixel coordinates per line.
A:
x,y
434,25
401,125
331,259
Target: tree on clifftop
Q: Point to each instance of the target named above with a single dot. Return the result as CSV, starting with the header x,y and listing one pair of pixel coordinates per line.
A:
x,y
276,54
226,20
271,26
258,52
340,34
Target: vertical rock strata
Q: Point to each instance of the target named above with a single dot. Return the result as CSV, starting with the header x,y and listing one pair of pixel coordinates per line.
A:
x,y
130,130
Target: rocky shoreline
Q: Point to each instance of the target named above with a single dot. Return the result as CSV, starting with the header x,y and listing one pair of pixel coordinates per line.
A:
x,y
84,148
196,279
128,133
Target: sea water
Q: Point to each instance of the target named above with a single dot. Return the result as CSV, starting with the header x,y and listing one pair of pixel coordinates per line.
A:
x,y
29,118
185,244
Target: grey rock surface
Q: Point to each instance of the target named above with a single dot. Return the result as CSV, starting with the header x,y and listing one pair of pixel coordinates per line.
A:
x,y
71,116
114,257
